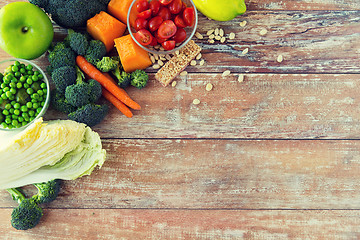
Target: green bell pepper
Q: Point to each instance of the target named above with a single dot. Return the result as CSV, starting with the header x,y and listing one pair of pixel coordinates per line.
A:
x,y
221,10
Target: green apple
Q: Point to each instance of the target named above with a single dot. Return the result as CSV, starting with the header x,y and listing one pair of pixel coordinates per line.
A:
x,y
25,30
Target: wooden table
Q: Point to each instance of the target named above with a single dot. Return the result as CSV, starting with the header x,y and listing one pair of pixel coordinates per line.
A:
x,y
276,156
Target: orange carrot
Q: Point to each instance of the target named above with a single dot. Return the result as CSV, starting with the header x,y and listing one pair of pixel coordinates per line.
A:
x,y
117,103
109,85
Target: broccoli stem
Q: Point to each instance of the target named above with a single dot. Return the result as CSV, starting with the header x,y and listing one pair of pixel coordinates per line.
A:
x,y
16,194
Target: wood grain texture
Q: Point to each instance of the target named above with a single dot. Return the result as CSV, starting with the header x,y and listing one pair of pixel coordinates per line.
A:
x,y
218,174
188,224
302,106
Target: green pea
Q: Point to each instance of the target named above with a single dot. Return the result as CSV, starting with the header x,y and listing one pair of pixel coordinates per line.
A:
x,y
5,112
40,92
29,81
17,105
20,119
22,70
17,74
3,96
8,120
15,122
17,112
24,108
31,113
17,63
35,105
30,91
35,96
35,78
15,68
11,110
29,67
19,85
22,79
29,105
8,106
8,94
13,90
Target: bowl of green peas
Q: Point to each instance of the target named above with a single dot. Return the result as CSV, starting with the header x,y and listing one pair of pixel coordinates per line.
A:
x,y
24,94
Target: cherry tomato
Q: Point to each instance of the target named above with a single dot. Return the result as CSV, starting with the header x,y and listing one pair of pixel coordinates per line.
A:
x,y
155,7
179,36
140,23
154,42
179,21
145,14
158,38
167,29
142,5
168,45
155,23
175,6
165,2
165,13
189,16
144,37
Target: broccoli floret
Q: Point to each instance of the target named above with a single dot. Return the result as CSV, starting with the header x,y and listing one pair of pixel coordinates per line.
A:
x,y
63,77
72,13
47,191
61,56
139,79
123,77
95,90
95,51
28,214
77,41
107,64
78,94
90,114
59,102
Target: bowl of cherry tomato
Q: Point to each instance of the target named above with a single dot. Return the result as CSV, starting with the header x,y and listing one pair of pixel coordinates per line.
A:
x,y
162,26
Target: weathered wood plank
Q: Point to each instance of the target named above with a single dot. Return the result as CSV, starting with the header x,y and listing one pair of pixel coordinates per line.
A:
x,y
310,41
218,174
263,106
302,5
187,224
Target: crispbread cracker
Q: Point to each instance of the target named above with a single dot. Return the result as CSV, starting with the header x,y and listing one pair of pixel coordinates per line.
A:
x,y
177,63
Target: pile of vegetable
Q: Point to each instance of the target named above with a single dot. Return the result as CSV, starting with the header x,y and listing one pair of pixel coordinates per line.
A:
x,y
22,95
78,97
47,152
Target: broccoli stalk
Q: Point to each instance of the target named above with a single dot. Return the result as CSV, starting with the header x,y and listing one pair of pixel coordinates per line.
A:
x,y
107,64
47,191
139,79
28,214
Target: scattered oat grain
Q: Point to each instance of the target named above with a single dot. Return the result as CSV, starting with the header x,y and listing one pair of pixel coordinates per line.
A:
x,y
198,57
209,87
245,51
211,31
263,32
221,32
173,84
216,32
196,101
226,73
193,62
152,58
199,35
168,57
160,62
212,36
280,58
241,78
243,23
217,37
183,73
202,62
156,66
156,57
222,40
232,36
211,41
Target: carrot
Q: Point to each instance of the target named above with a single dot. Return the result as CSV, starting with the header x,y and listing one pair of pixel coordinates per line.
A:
x,y
120,8
131,55
117,103
105,28
109,85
